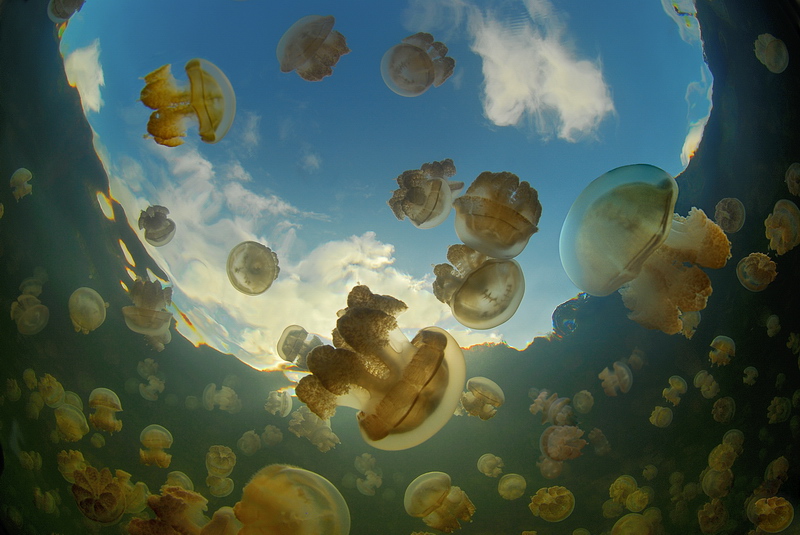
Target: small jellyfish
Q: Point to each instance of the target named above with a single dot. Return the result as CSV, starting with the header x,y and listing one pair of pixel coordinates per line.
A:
x,y
71,423
30,314
13,391
649,472
583,401
158,228
756,271
677,387
305,423
661,416
498,214
106,404
779,410
722,349
271,436
490,465
425,195
219,487
621,379
177,511
249,443
99,495
792,178
418,62
482,398
370,483
689,322
729,214
639,499
511,486
155,440
295,344
148,315
52,391
706,383
439,504
621,488
552,504
783,227
482,292
722,457
209,98
723,410
599,442
716,483
364,463
561,442
735,439
555,410
30,380
311,47
34,405
19,183
252,267
151,390
773,325
69,462
97,440
225,398
772,53
712,517
279,403
87,310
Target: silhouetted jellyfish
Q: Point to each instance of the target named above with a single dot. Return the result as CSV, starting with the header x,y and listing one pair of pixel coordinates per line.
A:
x,y
62,10
552,504
295,344
511,486
158,228
425,195
772,53
750,376
755,271
19,183
792,178
148,315
440,505
252,267
498,214
292,501
311,47
411,67
405,391
99,495
30,314
481,292
729,214
783,227
209,98
279,402
87,310
482,398
565,315
723,410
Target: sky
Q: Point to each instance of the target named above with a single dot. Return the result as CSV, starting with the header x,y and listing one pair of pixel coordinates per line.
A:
x,y
556,92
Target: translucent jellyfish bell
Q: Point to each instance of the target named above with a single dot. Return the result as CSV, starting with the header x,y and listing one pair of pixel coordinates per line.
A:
x,y
158,228
418,62
614,225
87,310
209,98
30,314
440,505
311,47
425,195
295,344
729,214
252,267
19,183
772,53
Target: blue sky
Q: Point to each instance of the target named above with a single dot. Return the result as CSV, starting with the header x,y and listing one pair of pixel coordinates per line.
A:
x,y
555,92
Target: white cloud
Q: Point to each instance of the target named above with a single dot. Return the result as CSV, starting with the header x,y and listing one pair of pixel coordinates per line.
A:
x,y
235,171
242,201
310,161
250,134
85,73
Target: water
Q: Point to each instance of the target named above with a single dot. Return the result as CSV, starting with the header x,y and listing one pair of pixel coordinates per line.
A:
x,y
750,140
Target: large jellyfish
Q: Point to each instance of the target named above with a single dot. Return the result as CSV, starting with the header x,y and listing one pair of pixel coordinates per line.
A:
x,y
772,53
405,391
426,195
411,67
481,292
498,214
87,310
311,47
440,505
252,267
209,98
99,495
158,228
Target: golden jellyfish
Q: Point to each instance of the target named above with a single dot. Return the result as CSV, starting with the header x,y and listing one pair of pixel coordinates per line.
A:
x,y
34,405
583,401
252,267
511,486
97,440
311,47
364,463
219,487
783,227
482,292
158,228
225,398
106,404
30,460
490,465
549,468
425,195
482,398
177,511
703,380
750,376
756,271
640,498
552,504
712,517
415,64
621,379
147,367
155,440
633,524
649,472
439,504
19,183
772,53
716,483
135,495
735,439
279,403
223,522
723,410
71,423
177,478
30,314
69,462
148,315
305,423
677,387
621,488
45,501
722,457
689,322
773,325
30,380
152,389
773,514
87,310
249,443
51,390
369,484
792,178
271,436
612,509
497,214
561,442
722,349
779,410
286,499
209,98
599,442
220,461
555,410
99,495
404,391
729,214
295,344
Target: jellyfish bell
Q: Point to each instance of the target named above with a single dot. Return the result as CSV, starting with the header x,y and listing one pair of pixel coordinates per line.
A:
x,y
311,47
19,183
252,267
729,214
511,486
158,228
425,196
87,310
106,404
295,344
30,314
415,64
782,227
146,321
439,504
99,495
60,11
209,99
614,225
772,53
756,271
279,402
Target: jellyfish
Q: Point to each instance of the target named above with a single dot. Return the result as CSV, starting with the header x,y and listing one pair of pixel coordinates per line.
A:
x,y
633,523
649,472
661,416
490,465
716,483
148,315
481,292
209,98
773,325
756,271
677,387
561,442
30,380
87,310
783,227
97,440
482,398
220,461
13,391
425,195
177,511
106,404
729,214
552,504
311,47
369,484
152,389
155,439
405,391
177,478
689,322
722,457
30,460
252,267
158,228
583,401
295,344
279,403
555,410
439,504
51,390
735,439
286,499
34,405
792,178
621,488
779,410
771,515
621,379
225,398
612,509
62,10
639,499
723,410
511,486
722,349
45,501
599,442
497,215
772,53
69,462
418,62
219,487
99,495
71,423
249,443
271,436
30,314
706,383
19,183
305,423
147,367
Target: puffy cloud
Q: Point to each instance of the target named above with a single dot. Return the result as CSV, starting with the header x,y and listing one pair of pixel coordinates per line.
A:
x,y
310,161
250,134
85,73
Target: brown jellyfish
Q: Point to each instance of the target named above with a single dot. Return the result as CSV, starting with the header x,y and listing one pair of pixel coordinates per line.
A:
x,y
30,314
425,195
99,495
783,227
416,64
87,310
19,183
155,439
756,271
311,47
772,53
440,505
771,515
561,442
511,486
106,404
482,398
729,214
252,267
552,504
158,228
723,410
722,349
209,98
